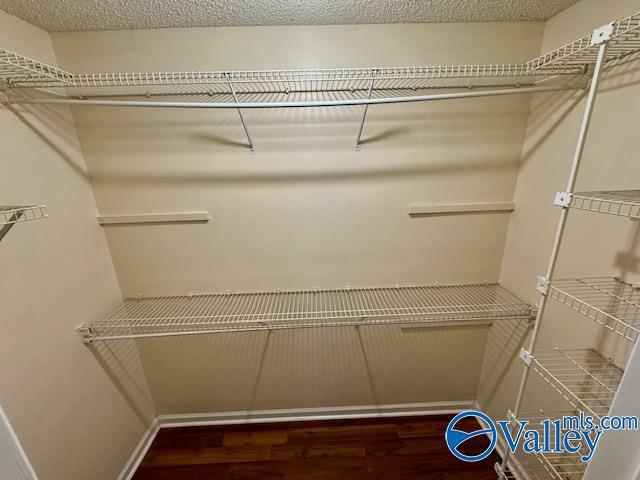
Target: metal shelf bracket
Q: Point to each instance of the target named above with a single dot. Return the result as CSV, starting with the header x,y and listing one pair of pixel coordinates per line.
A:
x,y
563,199
526,357
602,34
85,332
542,285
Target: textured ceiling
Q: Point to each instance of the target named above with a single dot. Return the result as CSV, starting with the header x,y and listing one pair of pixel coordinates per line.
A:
x,y
78,15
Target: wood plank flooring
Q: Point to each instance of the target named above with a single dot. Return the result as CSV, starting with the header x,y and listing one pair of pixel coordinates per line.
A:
x,y
365,449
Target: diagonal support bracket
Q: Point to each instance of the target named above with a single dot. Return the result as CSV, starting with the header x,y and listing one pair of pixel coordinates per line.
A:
x,y
232,90
374,73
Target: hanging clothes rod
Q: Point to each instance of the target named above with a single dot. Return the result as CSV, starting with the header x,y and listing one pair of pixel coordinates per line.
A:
x,y
300,104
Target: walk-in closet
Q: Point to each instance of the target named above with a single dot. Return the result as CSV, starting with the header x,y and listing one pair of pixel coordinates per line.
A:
x,y
319,239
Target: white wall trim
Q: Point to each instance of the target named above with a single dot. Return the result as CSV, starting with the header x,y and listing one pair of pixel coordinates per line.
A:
x,y
458,208
154,218
285,415
140,451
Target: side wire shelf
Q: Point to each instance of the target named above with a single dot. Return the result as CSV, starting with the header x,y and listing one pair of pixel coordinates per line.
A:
x,y
11,215
556,466
583,377
625,203
608,301
625,40
239,312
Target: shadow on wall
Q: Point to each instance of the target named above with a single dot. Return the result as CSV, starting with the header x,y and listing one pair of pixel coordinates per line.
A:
x,y
120,360
53,129
160,132
503,346
627,265
325,367
617,74
311,174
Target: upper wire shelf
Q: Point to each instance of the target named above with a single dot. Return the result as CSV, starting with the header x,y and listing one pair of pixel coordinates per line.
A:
x,y
625,203
236,312
19,71
582,376
608,301
11,215
346,80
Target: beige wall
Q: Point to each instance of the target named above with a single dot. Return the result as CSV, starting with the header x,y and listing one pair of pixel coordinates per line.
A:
x,y
306,210
77,414
594,245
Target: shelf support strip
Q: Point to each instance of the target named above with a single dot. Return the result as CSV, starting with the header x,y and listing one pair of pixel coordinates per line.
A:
x,y
557,241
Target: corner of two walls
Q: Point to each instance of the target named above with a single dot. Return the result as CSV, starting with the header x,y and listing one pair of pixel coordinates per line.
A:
x,y
594,244
79,412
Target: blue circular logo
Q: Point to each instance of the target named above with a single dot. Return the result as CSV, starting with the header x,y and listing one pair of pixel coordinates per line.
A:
x,y
455,438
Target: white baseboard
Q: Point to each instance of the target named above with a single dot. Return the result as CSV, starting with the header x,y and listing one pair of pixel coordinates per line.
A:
x,y
309,414
139,452
285,415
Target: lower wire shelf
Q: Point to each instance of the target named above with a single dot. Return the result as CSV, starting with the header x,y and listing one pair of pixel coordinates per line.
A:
x,y
608,301
146,317
583,377
548,466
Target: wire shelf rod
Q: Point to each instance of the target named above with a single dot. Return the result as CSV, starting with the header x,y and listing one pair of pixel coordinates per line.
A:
x,y
289,104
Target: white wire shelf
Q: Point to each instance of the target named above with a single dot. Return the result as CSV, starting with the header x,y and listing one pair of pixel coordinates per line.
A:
x,y
625,203
608,301
18,71
345,80
518,471
529,467
11,215
625,40
582,376
549,466
237,312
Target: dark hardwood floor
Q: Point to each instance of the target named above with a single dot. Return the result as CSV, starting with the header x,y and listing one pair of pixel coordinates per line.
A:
x,y
382,448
